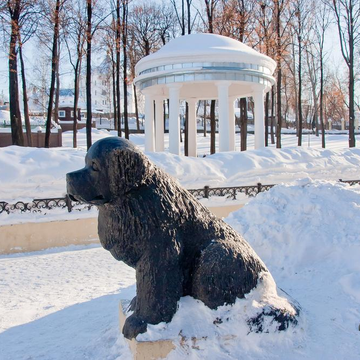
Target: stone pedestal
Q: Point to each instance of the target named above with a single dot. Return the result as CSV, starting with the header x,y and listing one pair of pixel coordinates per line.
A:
x,y
144,350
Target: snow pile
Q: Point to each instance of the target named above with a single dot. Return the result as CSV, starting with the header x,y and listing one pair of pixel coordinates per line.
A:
x,y
307,221
28,173
63,304
198,330
266,165
308,236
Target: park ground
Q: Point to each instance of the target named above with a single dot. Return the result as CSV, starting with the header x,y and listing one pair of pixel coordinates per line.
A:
x,y
63,303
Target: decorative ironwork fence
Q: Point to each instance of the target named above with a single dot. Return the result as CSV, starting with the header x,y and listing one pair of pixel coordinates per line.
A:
x,y
39,205
230,191
350,182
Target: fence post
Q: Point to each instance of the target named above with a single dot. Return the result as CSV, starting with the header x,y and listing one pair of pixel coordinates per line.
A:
x,y
206,192
258,188
234,193
68,203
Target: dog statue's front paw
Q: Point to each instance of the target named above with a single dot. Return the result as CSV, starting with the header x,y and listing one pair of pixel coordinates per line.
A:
x,y
134,326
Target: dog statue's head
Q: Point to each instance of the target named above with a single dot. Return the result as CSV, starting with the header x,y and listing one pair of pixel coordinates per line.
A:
x,y
113,167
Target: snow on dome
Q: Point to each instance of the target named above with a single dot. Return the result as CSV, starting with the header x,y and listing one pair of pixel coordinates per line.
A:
x,y
198,47
199,43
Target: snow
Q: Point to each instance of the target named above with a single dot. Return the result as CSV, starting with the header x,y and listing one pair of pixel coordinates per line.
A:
x,y
29,173
36,173
307,233
194,319
63,303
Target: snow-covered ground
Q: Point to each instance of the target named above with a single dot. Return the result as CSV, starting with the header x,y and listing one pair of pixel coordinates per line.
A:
x,y
63,303
28,173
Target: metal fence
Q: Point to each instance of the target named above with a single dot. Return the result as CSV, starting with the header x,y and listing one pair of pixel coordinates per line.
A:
x,y
39,205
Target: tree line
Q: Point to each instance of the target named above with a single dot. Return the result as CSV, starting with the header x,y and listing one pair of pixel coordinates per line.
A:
x,y
292,32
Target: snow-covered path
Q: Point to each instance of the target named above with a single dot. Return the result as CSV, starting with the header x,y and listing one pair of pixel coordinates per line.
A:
x,y
62,304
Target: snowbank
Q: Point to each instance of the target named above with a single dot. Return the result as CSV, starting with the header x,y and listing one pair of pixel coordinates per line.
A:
x,y
308,236
29,173
60,304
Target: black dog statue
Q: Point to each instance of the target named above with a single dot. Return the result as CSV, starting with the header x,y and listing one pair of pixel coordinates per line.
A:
x,y
177,246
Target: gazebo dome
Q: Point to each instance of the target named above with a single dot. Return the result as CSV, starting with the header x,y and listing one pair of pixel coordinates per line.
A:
x,y
200,58
202,67
198,47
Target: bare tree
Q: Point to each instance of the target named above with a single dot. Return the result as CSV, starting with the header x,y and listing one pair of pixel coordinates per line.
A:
x,y
210,6
166,24
75,42
54,59
117,72
27,29
282,41
93,22
16,12
322,23
347,15
301,12
124,28
143,22
180,17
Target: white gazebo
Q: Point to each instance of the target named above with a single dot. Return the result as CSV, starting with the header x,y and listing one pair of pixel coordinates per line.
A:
x,y
202,67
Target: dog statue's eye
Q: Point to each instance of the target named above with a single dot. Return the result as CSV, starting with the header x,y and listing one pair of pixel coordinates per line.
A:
x,y
94,166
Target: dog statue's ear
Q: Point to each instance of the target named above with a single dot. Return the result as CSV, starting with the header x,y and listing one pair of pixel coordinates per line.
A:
x,y
130,169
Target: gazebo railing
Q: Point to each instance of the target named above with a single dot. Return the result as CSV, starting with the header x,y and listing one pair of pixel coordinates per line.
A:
x,y
40,205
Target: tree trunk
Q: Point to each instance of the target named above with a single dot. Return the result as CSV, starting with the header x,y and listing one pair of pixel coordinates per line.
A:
x,y
186,130
54,60
279,75
137,108
243,124
114,95
167,102
25,98
76,98
300,86
272,121
182,17
267,100
205,106
212,127
57,89
351,84
15,115
322,100
188,3
118,99
88,74
124,43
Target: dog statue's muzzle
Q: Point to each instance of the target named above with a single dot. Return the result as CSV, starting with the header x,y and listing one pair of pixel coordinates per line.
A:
x,y
80,188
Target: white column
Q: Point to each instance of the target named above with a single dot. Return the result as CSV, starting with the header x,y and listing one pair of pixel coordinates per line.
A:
x,y
342,124
159,128
192,131
149,123
224,129
259,122
231,125
174,123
